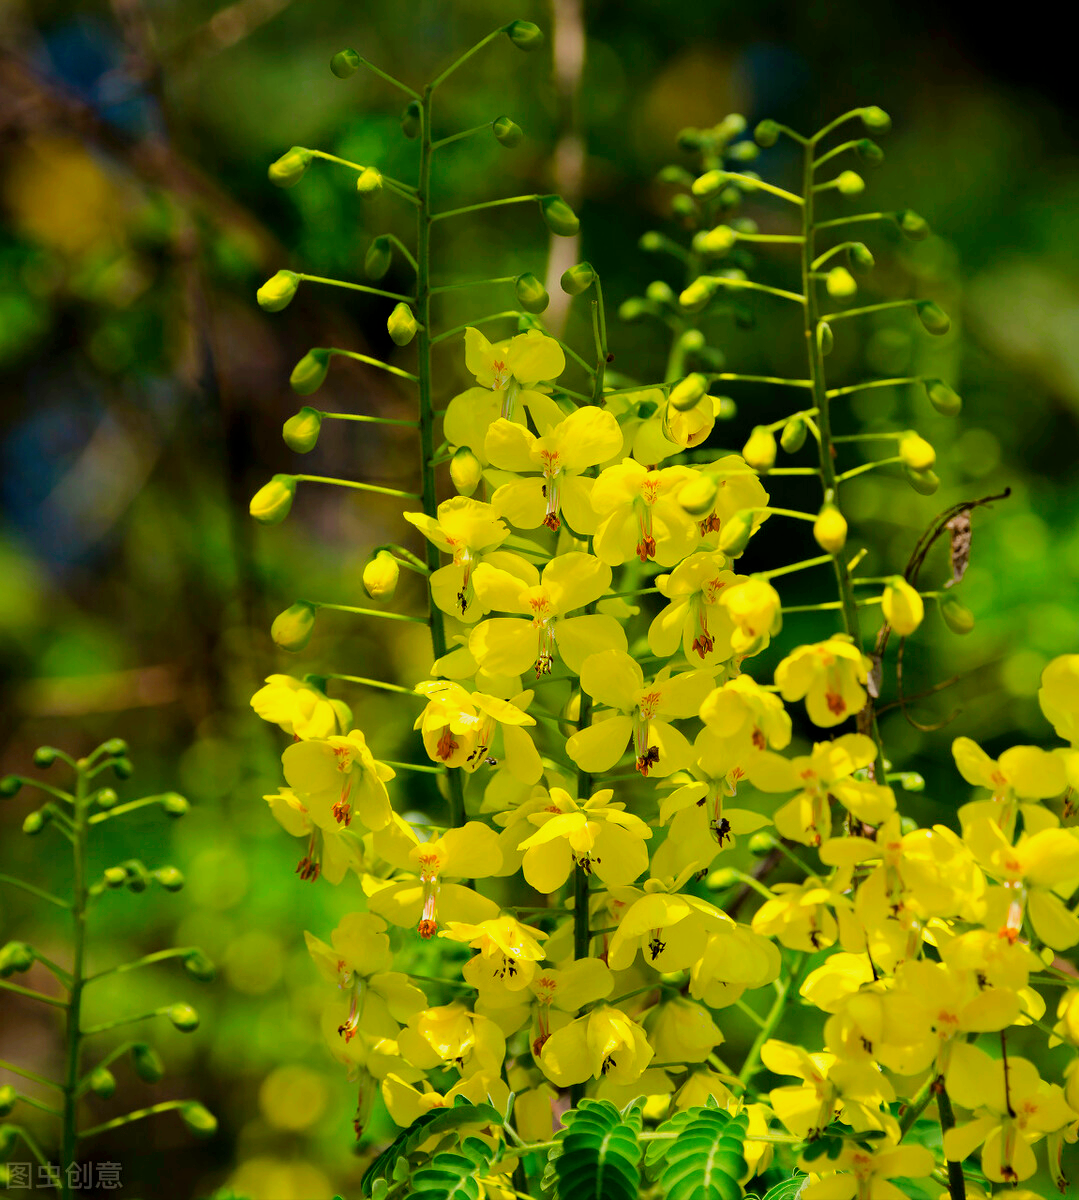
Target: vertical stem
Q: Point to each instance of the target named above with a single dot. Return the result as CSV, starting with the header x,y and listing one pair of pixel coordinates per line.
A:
x,y
824,424
957,1185
78,914
427,411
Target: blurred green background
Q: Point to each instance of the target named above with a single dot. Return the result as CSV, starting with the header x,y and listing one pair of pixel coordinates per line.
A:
x,y
144,393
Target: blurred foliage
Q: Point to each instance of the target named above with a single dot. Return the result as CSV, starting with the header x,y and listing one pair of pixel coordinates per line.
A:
x,y
144,393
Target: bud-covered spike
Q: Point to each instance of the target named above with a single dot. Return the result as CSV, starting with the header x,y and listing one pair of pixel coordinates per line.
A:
x,y
271,503
345,63
291,630
290,168
560,219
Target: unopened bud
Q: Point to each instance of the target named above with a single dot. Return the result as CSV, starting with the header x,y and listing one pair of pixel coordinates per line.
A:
x,y
686,394
692,341
725,877
860,258
830,529
558,216
10,785
916,452
531,294
659,292
825,338
869,152
33,823
743,152
911,781
849,183
793,437
105,797
735,533
289,169
766,133
115,877
760,450
271,503
466,471
170,878
15,958
309,374
578,278
412,120
369,181
698,293
345,63
689,138
175,805
138,878
925,483
184,1017
674,174
840,283
8,1098
402,324
933,318
198,1119
45,756
123,768
508,133
102,1082
277,292
913,227
147,1062
876,119
524,35
902,606
378,258
698,497
301,431
633,309
380,576
709,183
946,401
199,967
292,629
717,242
957,616
761,843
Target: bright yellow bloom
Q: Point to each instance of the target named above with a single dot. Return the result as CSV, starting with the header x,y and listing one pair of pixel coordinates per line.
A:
x,y
1025,771
508,952
450,1035
652,430
869,1172
511,645
551,999
339,777
695,617
300,708
739,489
406,1103
605,1043
670,929
735,958
459,729
829,675
902,606
682,1031
331,848
640,515
636,710
1059,696
745,719
801,915
754,607
554,486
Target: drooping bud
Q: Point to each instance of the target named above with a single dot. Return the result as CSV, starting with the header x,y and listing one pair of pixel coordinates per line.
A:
x,y
659,292
957,616
766,133
912,226
10,785
793,437
402,324
578,278
277,292
33,823
709,183
925,483
840,284
825,338
147,1062
380,576
869,152
301,431
651,242
916,452
849,183
946,401
933,318
735,534
199,967
761,843
15,957
722,878
175,805
760,450
692,341
8,1098
138,878
289,169
378,258
698,497
271,503
198,1119
689,138
902,606
830,528
466,471
45,756
508,133
309,374
524,35
531,294
369,181
115,877
102,1082
743,152
170,878
686,394
345,63
694,297
674,174
634,308
106,797
183,1017
559,218
876,119
717,242
123,768
412,120
860,258
292,629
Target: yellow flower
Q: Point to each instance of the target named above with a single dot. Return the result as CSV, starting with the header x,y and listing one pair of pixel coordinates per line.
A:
x,y
869,1172
511,645
459,729
339,777
653,430
739,488
450,1035
735,958
754,607
902,606
1059,696
508,952
670,929
406,1103
682,1031
800,915
635,710
695,617
744,719
556,995
331,849
584,439
829,675
640,515
300,708
604,1043
1022,773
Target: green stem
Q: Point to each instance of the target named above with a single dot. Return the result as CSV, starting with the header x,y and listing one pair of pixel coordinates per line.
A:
x,y
873,383
869,308
869,466
359,486
372,612
390,79
724,376
823,133
157,956
439,79
751,285
356,287
105,1026
137,1115
957,1185
855,219
456,137
918,1104
30,1143
771,1021
130,806
422,768
468,208
448,333
833,153
374,362
368,420
34,891
375,683
7,1066
469,283
752,185
74,1012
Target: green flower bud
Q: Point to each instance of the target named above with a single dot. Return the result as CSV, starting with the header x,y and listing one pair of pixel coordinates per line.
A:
x,y
730,197
674,174
830,529
8,1098
309,374
412,120
380,576
301,431
634,308
170,878
115,746
659,292
578,278
840,284
508,133
466,471
369,181
925,483
531,294
743,152
912,226
933,318
860,258
734,536
698,293
115,877
717,242
147,1062
184,1017
102,1082
916,452
825,338
175,805
727,409
869,152
957,616
849,183
911,781
45,756
276,293
793,437
199,967
761,843
199,1120
10,785
524,35
289,169
692,341
378,258
15,958
402,324
33,823
766,133
345,63
558,216
689,138
105,797
724,877
138,878
271,503
709,183
123,768
698,497
760,450
651,242
686,393
292,629
947,402
876,119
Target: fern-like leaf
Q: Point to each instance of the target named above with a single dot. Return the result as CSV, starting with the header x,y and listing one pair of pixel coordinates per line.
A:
x,y
701,1158
452,1175
598,1156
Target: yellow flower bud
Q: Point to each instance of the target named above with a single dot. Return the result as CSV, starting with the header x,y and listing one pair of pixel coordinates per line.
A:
x,y
925,483
709,183
840,283
760,450
345,63
916,452
289,169
369,181
849,183
380,576
102,1082
793,437
716,241
466,471
698,293
402,324
902,606
301,431
698,497
957,616
687,393
830,529
913,227
559,218
271,503
531,294
309,374
507,133
292,629
876,119
378,258
943,398
734,536
277,292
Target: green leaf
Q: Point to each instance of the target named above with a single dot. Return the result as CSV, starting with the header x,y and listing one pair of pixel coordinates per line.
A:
x,y
598,1156
703,1158
788,1189
452,1175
